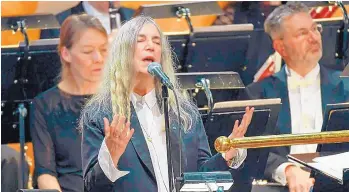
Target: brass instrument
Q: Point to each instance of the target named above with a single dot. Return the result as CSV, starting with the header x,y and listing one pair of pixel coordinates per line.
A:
x,y
223,144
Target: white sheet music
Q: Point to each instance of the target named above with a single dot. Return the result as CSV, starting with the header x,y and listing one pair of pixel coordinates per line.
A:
x,y
332,164
205,187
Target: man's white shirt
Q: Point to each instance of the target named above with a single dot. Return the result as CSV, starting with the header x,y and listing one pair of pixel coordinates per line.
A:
x,y
306,112
104,18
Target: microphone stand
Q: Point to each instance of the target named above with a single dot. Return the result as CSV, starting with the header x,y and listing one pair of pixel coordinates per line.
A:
x,y
180,13
21,110
168,138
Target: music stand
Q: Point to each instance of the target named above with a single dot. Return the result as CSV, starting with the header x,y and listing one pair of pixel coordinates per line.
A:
x,y
208,81
263,122
171,10
195,54
32,21
335,119
208,181
217,80
23,60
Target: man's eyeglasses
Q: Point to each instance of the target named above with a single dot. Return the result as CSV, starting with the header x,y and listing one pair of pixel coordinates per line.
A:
x,y
305,32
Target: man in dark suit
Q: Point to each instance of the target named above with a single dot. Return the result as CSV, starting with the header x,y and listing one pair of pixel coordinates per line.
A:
x,y
99,9
304,86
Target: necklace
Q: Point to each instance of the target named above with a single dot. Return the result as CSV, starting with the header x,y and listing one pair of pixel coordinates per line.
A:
x,y
148,137
152,144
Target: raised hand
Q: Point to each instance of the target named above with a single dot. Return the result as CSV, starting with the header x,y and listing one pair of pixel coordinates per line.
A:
x,y
239,130
117,136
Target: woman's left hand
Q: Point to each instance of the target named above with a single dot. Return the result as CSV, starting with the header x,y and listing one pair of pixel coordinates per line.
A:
x,y
239,131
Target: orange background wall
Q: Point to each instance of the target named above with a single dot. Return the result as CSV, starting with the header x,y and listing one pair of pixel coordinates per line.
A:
x,y
17,8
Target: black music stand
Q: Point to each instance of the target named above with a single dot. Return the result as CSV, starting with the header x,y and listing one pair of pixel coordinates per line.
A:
x,y
18,104
172,10
217,80
195,51
32,21
207,181
181,10
42,71
263,122
209,82
335,119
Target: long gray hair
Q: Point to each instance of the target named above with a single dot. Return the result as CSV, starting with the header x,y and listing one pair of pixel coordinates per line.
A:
x,y
116,87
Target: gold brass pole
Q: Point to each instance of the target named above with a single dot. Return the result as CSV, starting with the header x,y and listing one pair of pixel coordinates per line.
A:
x,y
223,144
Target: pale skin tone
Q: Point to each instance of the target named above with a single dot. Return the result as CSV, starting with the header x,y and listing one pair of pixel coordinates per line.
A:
x,y
300,46
86,60
299,43
85,63
118,133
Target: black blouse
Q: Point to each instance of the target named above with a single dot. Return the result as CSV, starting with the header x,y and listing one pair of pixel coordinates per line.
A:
x,y
56,137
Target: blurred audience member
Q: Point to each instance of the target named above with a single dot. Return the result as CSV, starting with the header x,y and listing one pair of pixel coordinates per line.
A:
x,y
55,112
242,12
98,9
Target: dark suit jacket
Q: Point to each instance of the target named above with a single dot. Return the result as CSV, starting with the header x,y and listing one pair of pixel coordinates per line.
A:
x,y
136,158
125,14
333,90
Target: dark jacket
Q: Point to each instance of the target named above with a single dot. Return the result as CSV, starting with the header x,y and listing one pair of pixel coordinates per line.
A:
x,y
333,90
136,158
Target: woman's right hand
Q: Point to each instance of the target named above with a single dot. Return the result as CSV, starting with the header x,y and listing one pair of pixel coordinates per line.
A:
x,y
117,136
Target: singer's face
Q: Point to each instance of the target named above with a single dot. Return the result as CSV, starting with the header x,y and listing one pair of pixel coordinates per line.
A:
x,y
86,56
301,39
147,49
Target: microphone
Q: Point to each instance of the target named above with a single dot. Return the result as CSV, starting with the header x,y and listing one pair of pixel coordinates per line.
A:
x,y
155,70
